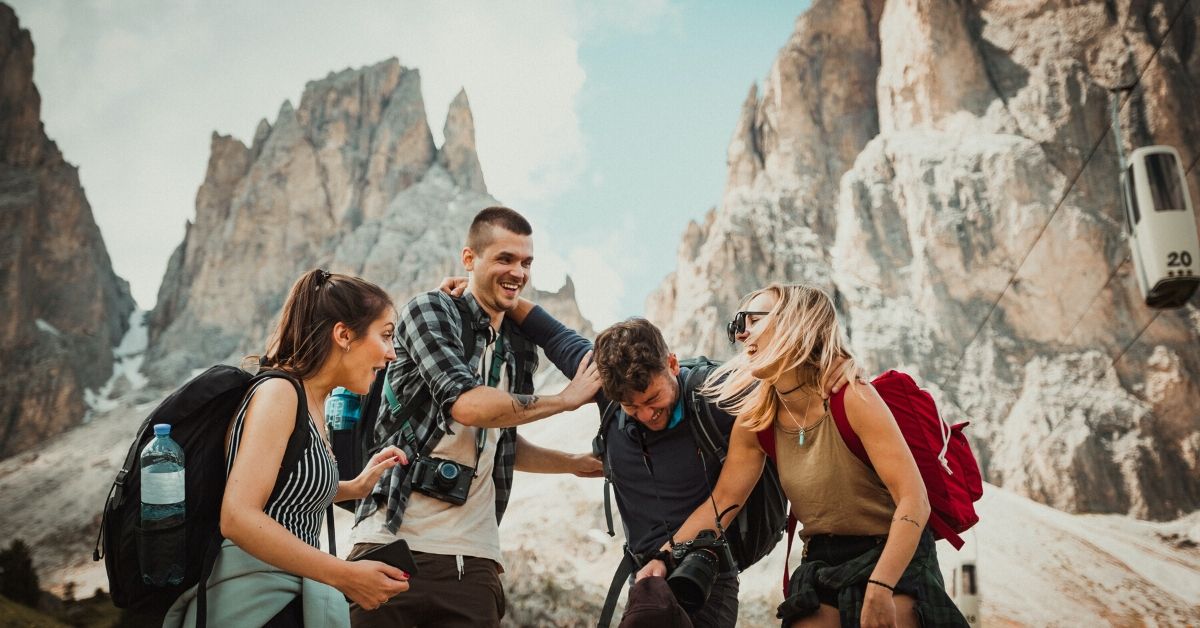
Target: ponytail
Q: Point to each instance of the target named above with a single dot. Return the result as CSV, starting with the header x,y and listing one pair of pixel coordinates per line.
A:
x,y
303,338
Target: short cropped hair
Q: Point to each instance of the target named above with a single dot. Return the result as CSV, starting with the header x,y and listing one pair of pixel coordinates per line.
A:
x,y
628,355
480,234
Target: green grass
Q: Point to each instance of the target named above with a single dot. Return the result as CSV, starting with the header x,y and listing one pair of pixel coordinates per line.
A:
x,y
14,615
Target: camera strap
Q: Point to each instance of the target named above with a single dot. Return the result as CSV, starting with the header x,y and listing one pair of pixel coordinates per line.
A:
x,y
700,433
495,369
493,379
713,500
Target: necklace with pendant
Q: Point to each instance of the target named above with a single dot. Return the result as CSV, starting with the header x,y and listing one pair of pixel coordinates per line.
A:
x,y
800,435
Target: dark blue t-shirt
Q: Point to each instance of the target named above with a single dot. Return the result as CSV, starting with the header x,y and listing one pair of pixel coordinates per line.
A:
x,y
678,474
674,455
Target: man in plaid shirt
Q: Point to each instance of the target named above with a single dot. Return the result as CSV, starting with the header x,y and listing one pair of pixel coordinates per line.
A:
x,y
463,405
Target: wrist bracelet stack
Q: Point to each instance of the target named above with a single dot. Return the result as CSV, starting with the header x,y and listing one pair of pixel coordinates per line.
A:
x,y
886,586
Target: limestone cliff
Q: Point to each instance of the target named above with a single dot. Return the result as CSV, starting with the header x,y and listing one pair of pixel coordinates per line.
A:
x,y
350,181
939,149
64,308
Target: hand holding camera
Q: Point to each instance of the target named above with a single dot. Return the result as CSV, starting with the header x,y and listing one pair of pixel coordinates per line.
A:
x,y
697,564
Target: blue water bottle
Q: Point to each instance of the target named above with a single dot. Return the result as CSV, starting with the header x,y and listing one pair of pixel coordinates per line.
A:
x,y
343,409
162,541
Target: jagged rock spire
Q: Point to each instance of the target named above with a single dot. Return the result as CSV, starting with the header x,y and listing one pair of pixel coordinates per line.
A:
x,y
457,154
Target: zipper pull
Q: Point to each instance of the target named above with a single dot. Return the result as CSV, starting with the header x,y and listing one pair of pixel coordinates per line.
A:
x,y
458,560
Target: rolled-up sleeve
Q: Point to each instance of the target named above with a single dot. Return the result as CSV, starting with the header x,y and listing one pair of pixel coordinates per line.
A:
x,y
430,329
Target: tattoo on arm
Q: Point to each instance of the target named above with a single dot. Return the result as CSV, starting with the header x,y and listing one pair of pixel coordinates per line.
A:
x,y
908,519
523,403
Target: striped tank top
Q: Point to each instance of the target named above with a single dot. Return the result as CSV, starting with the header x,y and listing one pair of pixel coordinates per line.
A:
x,y
309,488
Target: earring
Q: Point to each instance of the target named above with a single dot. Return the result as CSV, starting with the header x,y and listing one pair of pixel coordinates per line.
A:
x,y
346,349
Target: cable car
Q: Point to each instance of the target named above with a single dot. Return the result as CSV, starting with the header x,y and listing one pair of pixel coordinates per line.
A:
x,y
1162,226
964,590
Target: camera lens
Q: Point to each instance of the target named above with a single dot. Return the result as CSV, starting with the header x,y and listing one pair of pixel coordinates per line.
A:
x,y
692,580
447,473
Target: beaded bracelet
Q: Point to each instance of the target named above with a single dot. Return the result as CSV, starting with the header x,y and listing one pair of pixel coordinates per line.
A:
x,y
886,586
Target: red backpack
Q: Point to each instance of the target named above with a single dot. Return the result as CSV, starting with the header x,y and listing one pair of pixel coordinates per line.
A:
x,y
942,453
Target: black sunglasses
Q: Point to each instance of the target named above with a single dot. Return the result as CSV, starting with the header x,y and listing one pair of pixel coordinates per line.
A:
x,y
738,324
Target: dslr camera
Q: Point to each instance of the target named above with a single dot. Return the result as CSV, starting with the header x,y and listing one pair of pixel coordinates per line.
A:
x,y
697,563
442,479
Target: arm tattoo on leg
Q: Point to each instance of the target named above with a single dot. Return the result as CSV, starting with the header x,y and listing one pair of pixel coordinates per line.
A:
x,y
908,519
523,403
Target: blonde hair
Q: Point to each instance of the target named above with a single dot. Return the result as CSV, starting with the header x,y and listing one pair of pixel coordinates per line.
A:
x,y
806,338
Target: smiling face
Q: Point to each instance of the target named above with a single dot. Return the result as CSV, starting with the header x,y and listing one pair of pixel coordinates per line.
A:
x,y
500,271
367,354
758,328
652,407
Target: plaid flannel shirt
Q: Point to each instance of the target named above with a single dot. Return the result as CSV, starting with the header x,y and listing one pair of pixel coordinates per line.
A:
x,y
430,355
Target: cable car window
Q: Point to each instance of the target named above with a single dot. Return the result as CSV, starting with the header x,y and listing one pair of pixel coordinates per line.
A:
x,y
1131,196
1125,195
1162,172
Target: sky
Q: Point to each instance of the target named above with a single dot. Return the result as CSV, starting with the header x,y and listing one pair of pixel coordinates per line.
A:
x,y
606,124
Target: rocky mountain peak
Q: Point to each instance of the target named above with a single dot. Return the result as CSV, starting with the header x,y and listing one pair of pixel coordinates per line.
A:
x,y
935,165
933,73
457,154
65,309
350,180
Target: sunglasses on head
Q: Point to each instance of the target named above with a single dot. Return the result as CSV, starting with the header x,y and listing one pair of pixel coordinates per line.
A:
x,y
738,324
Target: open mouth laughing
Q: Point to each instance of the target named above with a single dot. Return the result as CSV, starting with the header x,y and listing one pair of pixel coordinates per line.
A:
x,y
510,288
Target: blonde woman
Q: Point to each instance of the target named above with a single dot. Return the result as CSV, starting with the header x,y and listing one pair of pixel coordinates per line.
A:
x,y
867,558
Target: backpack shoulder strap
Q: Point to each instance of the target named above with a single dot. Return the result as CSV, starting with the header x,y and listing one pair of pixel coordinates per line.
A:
x,y
837,408
467,324
792,522
600,450
766,440
620,577
467,336
298,441
704,428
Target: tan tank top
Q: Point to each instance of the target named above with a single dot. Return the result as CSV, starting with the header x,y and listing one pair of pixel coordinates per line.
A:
x,y
830,489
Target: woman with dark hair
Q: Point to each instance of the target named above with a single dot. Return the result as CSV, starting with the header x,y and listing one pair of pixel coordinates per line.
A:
x,y
334,330
868,559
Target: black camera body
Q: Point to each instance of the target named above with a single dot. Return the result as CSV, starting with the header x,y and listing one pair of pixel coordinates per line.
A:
x,y
442,479
697,564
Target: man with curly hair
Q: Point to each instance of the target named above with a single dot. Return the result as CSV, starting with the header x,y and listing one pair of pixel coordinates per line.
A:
x,y
651,454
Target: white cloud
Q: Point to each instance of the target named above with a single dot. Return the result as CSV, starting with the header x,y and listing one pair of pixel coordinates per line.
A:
x,y
595,270
132,91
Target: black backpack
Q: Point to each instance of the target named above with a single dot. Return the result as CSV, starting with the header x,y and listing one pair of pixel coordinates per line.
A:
x,y
199,413
354,447
759,525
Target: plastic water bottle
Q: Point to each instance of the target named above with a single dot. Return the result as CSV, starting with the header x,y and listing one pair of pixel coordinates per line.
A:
x,y
343,409
162,541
